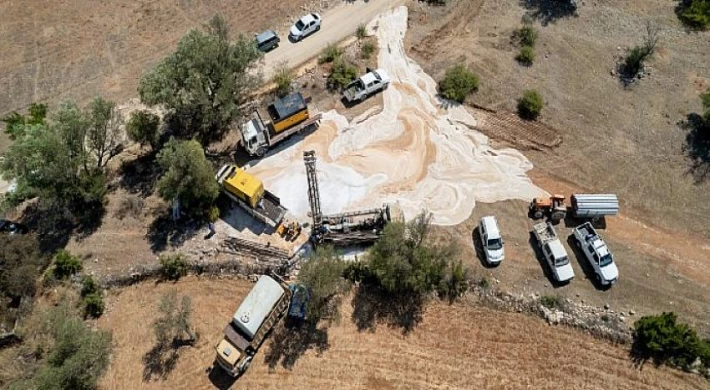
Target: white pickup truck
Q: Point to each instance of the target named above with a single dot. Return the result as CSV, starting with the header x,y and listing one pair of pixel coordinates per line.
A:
x,y
597,253
371,82
554,252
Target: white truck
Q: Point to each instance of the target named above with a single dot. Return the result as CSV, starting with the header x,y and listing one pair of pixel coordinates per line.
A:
x,y
368,84
597,253
256,316
554,252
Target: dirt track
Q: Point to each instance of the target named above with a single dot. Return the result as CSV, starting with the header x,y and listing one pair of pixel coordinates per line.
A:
x,y
473,347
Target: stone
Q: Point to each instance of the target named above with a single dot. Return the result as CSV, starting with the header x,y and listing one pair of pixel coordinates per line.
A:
x,y
606,306
631,312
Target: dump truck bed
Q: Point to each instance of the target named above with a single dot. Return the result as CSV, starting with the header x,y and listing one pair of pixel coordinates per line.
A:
x,y
544,232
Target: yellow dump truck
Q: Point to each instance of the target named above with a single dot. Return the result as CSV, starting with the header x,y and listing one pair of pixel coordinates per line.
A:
x,y
262,308
286,116
249,193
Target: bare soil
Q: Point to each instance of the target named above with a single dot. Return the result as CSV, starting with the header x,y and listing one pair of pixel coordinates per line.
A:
x,y
474,347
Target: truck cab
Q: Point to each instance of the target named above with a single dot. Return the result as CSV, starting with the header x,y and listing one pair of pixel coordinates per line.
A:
x,y
597,254
491,240
554,252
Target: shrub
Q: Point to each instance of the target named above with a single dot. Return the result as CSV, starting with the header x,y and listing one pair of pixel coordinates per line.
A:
x,y
527,36
283,79
455,281
695,13
484,283
458,83
174,320
331,53
21,264
526,55
142,127
367,49
341,74
361,31
131,206
530,104
322,275
89,285
550,302
665,340
66,264
635,58
173,267
94,305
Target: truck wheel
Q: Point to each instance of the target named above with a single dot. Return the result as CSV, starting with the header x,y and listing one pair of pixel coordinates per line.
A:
x,y
557,216
537,214
260,152
318,27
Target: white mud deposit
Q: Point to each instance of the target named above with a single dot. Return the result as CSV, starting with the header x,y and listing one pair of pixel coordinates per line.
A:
x,y
416,152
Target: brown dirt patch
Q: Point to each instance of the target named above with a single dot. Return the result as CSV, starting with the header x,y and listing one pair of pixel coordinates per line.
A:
x,y
475,347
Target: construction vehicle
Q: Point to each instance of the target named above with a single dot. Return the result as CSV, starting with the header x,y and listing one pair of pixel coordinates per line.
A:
x,y
289,230
350,228
286,116
554,207
597,253
258,313
553,251
248,192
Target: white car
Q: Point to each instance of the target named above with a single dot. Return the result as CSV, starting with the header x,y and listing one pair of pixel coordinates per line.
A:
x,y
491,240
304,27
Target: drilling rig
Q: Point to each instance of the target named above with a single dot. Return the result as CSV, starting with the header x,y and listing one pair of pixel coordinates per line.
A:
x,y
343,229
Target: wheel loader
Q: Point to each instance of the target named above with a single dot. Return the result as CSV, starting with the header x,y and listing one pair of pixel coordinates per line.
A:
x,y
554,207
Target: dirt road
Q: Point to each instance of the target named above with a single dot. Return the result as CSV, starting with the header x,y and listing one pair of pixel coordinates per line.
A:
x,y
338,23
474,347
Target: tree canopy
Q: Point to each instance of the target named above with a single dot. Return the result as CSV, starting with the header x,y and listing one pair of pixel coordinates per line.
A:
x,y
142,127
188,176
205,80
322,275
15,122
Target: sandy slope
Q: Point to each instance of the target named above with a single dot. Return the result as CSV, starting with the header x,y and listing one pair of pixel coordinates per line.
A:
x,y
418,151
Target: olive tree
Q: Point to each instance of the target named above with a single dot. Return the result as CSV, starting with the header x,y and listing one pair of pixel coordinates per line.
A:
x,y
322,275
205,80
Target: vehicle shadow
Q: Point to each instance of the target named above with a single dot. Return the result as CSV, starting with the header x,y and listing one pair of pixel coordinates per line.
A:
x,y
372,306
572,222
532,241
219,378
584,264
239,219
478,247
293,339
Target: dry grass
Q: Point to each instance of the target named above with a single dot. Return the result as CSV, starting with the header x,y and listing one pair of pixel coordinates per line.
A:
x,y
474,348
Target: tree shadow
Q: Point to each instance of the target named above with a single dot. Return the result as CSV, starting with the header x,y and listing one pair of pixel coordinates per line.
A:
x,y
140,175
55,224
371,306
697,146
540,257
549,11
162,359
291,340
164,232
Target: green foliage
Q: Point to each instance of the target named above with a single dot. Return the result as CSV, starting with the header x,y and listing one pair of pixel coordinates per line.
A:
x,y
403,264
694,13
20,264
322,274
89,285
331,53
52,161
205,81
173,322
635,58
66,264
530,104
283,79
143,127
341,74
361,31
15,122
78,357
188,177
94,305
527,36
665,340
173,267
526,55
104,137
484,283
455,281
458,83
550,302
367,49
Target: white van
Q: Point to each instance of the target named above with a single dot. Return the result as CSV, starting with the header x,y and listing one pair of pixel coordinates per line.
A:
x,y
491,240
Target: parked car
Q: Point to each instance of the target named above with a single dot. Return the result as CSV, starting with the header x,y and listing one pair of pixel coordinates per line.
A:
x,y
491,240
267,41
554,252
370,83
597,253
12,227
304,27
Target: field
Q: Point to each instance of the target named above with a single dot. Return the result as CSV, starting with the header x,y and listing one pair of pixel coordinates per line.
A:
x,y
473,347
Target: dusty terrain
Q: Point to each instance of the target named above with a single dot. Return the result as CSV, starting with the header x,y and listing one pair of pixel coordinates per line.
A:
x,y
474,348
